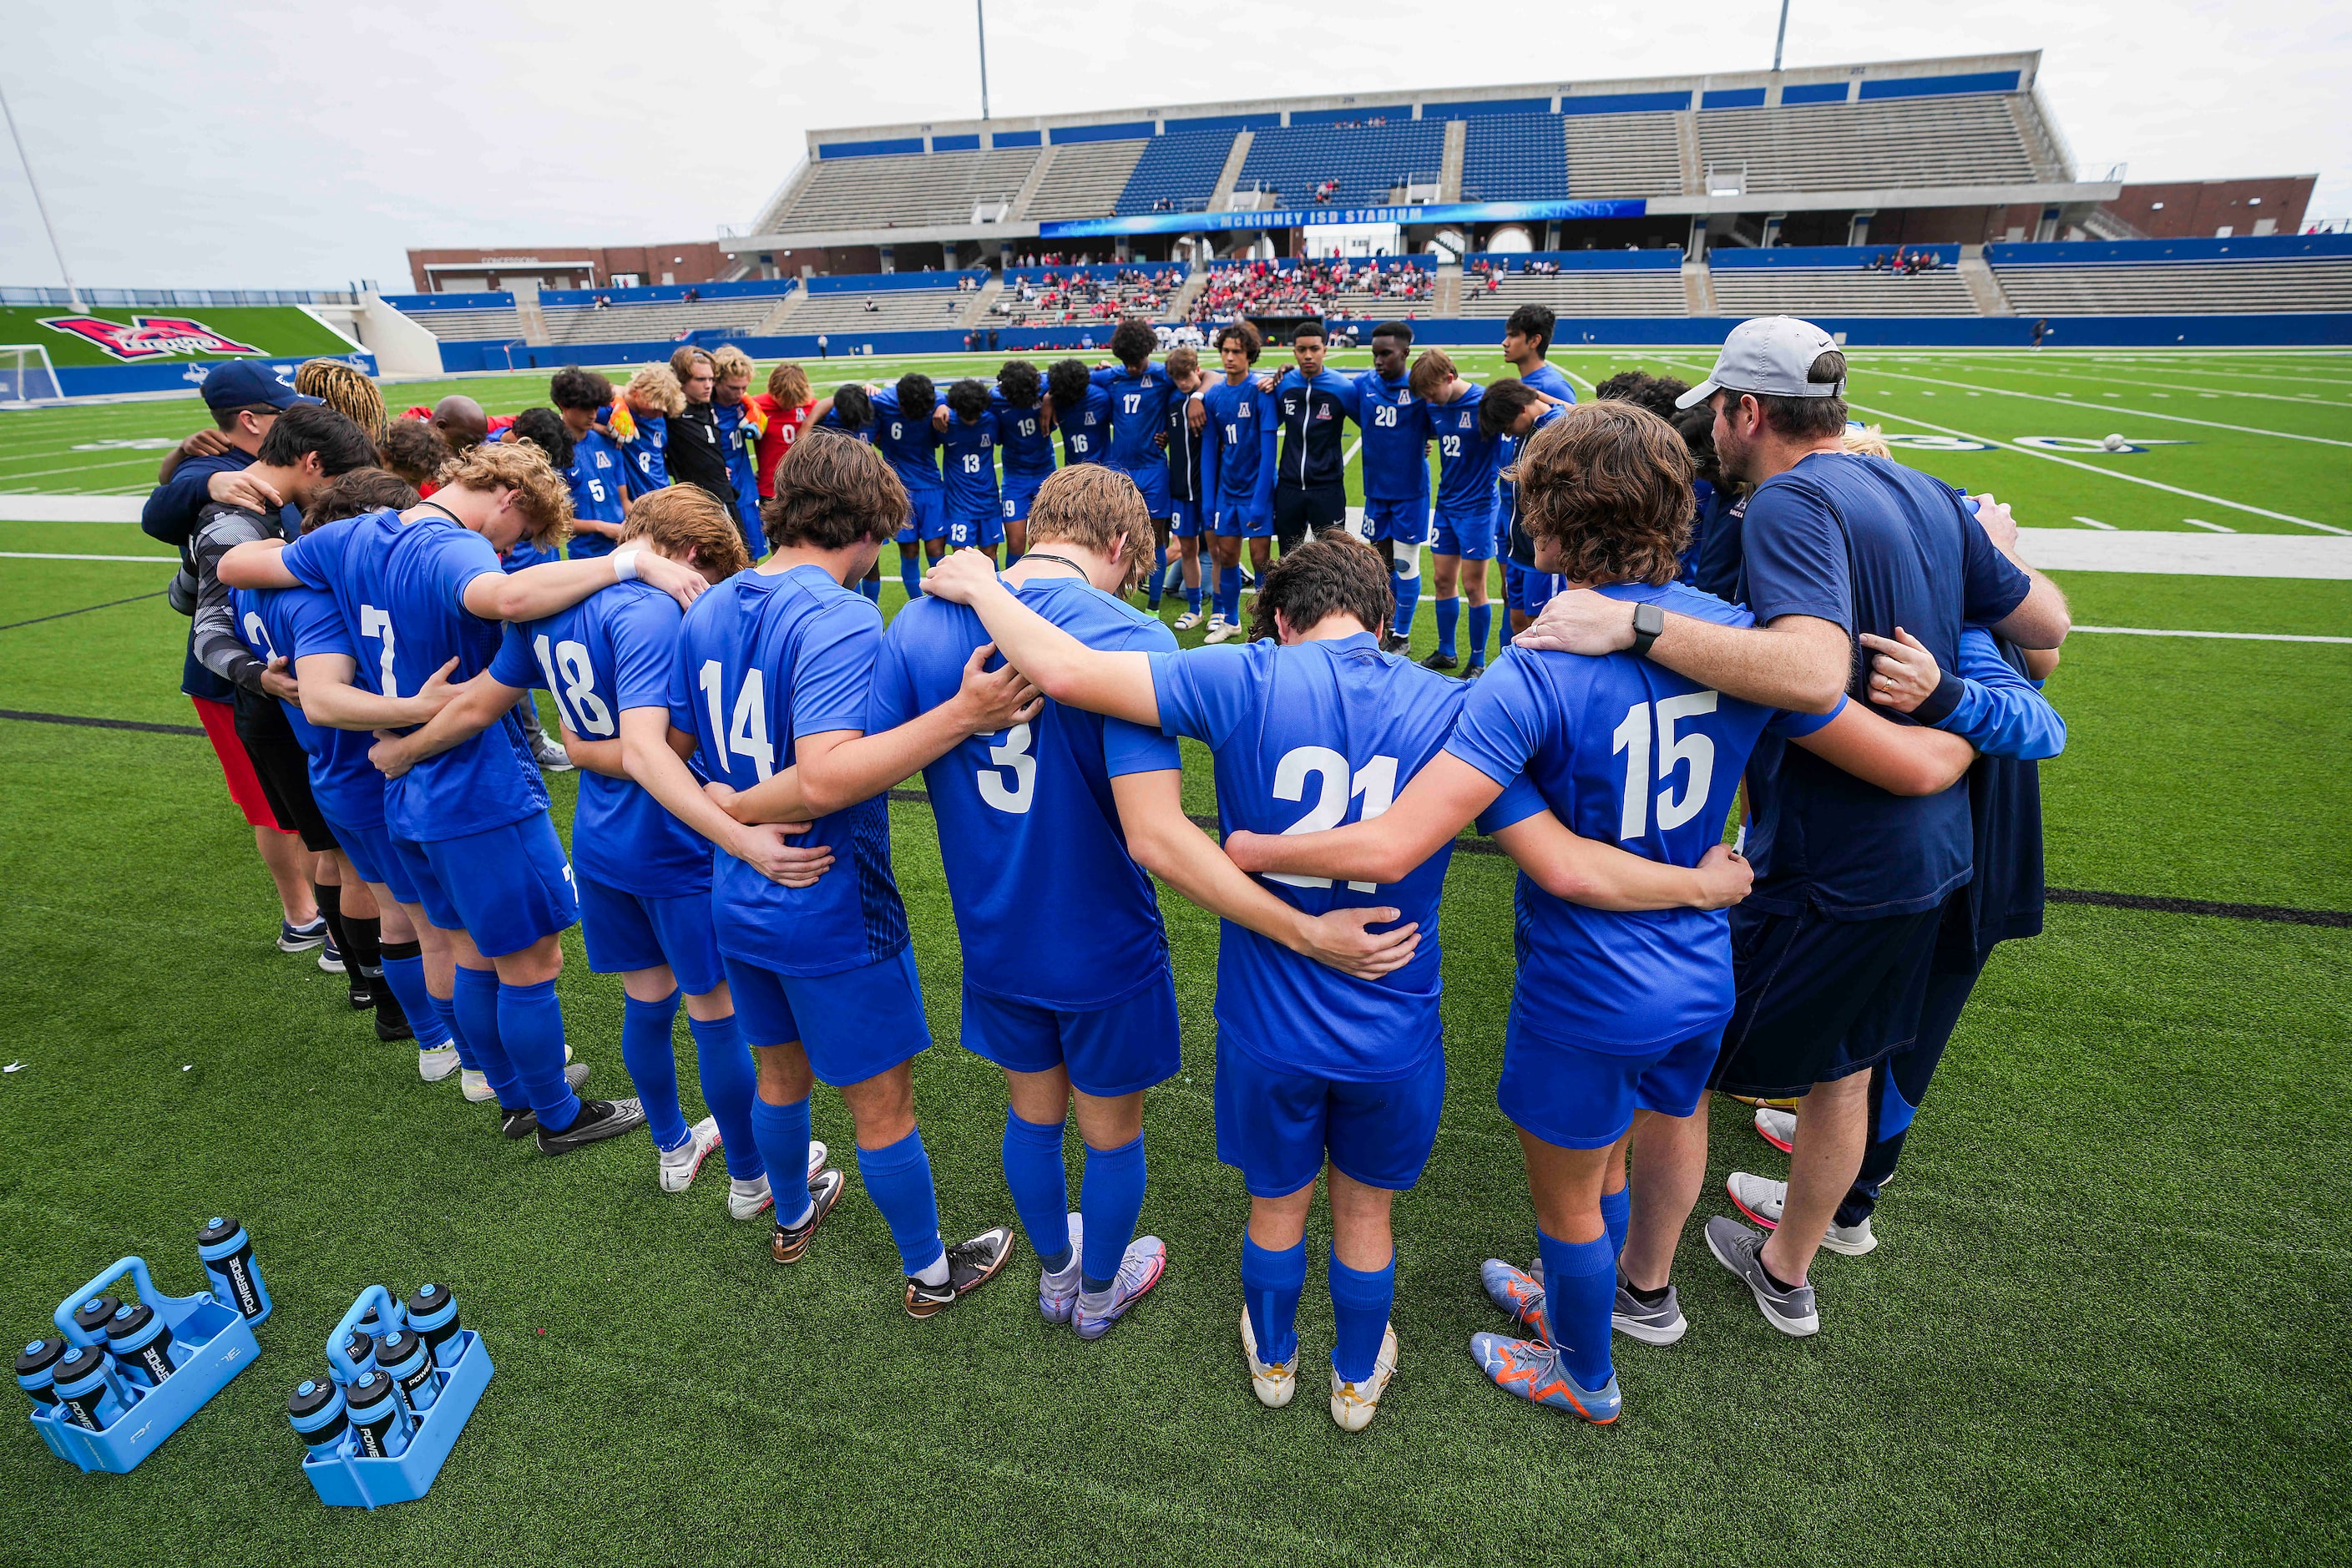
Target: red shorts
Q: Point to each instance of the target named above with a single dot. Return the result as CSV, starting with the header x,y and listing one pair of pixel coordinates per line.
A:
x,y
219,721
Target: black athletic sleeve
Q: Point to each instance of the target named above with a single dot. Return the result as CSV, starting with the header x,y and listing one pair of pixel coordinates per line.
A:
x,y
212,638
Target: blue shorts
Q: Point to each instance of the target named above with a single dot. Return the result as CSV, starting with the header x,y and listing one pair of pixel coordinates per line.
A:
x,y
1233,522
1819,999
1527,590
1468,533
1183,520
373,855
970,528
1406,522
1276,1127
853,1025
1573,1097
1128,1045
929,517
1018,495
625,931
505,889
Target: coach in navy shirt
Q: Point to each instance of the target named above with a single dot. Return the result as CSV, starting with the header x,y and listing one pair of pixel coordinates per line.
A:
x,y
1832,947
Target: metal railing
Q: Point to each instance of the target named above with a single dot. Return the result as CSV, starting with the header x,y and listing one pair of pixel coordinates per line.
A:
x,y
176,298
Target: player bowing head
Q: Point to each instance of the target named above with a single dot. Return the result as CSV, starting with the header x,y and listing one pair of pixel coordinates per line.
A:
x,y
683,525
1307,589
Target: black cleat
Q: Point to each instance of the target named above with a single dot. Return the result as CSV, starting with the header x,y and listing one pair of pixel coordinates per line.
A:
x,y
1474,671
791,1242
971,1265
392,1026
1393,643
524,1122
1440,662
365,988
598,1120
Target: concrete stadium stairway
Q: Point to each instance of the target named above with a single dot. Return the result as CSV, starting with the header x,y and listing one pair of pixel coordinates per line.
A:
x,y
1180,304
774,321
1446,298
1984,289
976,311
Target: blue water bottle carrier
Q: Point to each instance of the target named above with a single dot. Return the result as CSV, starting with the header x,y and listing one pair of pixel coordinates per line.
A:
x,y
210,1344
415,1435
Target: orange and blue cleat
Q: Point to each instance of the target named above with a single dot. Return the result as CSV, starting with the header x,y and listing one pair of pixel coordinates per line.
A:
x,y
1517,1292
1534,1371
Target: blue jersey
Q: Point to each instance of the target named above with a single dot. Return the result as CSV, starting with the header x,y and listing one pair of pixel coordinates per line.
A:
x,y
647,453
832,421
611,652
400,587
1027,445
764,658
291,623
1506,452
1050,908
1550,382
1467,459
1628,753
1237,457
1313,454
595,480
1086,429
907,442
972,466
741,439
1396,430
1312,736
1139,414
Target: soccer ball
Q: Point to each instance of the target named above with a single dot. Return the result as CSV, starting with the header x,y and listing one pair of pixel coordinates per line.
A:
x,y
2114,442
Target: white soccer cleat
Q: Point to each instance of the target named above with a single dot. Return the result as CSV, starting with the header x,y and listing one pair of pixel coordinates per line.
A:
x,y
679,1166
474,1084
1221,630
1273,1382
1353,1404
1188,620
436,1064
749,1200
1777,1127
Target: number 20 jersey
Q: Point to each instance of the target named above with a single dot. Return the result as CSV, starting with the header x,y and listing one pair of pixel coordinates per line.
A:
x,y
1050,908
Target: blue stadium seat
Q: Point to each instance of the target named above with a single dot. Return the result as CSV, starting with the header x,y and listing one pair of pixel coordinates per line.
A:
x,y
1181,168
1367,159
1515,158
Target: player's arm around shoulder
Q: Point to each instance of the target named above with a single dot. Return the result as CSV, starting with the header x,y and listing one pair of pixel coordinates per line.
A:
x,y
1061,666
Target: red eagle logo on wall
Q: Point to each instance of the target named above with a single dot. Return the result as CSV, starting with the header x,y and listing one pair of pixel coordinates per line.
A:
x,y
148,337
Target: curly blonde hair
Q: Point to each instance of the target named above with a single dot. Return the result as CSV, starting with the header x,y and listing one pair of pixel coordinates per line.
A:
x,y
654,390
346,389
727,360
520,467
688,524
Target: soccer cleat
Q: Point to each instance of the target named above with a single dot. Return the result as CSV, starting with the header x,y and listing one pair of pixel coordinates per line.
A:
x,y
293,938
474,1084
679,1166
746,1200
524,1122
1762,1200
1659,1324
1440,661
1517,1292
1353,1404
789,1244
1143,1267
435,1065
1223,630
1532,1370
1777,1128
1273,1382
1188,620
1058,1293
971,1265
1473,671
392,1027
1793,1309
1396,642
331,957
598,1120
551,757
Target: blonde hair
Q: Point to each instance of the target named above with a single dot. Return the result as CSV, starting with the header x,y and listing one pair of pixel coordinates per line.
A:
x,y
520,467
688,524
346,389
788,384
654,390
1870,441
1093,507
729,360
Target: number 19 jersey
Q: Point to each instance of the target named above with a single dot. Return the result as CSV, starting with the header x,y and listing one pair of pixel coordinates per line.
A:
x,y
1311,736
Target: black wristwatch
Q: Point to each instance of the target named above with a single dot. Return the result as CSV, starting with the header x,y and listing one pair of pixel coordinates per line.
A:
x,y
1648,622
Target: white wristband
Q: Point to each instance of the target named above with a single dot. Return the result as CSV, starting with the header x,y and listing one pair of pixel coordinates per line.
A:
x,y
624,564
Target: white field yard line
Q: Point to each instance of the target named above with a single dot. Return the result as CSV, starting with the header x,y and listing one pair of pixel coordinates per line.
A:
x,y
46,555
2050,371
2231,636
2095,522
12,475
2113,408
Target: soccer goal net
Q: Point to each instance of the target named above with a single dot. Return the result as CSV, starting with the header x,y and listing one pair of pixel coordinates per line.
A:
x,y
26,373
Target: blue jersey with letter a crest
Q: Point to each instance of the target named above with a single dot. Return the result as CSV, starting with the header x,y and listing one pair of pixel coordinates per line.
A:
x,y
1395,426
971,465
595,480
1086,429
1027,445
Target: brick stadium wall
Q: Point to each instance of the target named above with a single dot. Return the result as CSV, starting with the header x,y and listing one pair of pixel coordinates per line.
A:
x,y
686,261
2194,210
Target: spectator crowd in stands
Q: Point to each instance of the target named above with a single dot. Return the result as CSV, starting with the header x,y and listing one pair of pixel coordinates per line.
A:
x,y
1082,297
1907,262
1314,288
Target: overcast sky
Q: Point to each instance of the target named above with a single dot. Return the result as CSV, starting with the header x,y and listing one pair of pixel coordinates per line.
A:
x,y
279,144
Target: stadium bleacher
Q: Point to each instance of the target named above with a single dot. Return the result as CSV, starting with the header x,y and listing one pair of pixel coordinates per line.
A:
x,y
1835,280
1972,140
1623,155
1084,180
1177,171
1369,160
1515,158
1086,296
903,191
2289,273
582,322
1588,283
461,318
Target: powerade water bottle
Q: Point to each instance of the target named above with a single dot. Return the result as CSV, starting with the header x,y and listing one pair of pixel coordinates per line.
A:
x,y
227,1253
89,1394
315,1410
360,1347
141,1343
92,1316
36,1368
380,1427
402,1356
433,1313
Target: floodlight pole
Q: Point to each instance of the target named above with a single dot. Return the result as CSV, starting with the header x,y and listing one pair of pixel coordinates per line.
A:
x,y
981,6
73,295
1780,38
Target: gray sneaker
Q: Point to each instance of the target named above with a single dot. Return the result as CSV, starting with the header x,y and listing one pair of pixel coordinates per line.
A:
x,y
1661,1324
1737,1249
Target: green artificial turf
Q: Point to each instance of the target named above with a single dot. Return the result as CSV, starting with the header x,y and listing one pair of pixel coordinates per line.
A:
x,y
271,331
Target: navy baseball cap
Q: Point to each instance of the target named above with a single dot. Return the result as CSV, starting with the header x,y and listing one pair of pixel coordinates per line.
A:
x,y
241,384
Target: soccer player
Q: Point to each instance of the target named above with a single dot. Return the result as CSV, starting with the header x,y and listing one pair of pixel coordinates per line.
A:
x,y
1396,434
1462,541
1508,414
974,514
771,684
1527,339
1313,1066
1025,437
640,424
696,450
1310,488
1141,394
742,426
1080,410
1185,522
598,467
908,440
459,420
790,408
1237,470
469,813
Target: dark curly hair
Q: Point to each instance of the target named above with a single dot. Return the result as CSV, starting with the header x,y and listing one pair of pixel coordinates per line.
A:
x,y
1019,382
968,399
356,494
1251,341
1335,574
413,450
1611,482
1132,340
853,407
832,491
572,387
917,395
1504,402
1639,389
1696,427
1065,383
544,428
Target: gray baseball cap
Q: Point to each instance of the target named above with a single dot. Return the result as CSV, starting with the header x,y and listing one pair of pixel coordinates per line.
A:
x,y
1769,354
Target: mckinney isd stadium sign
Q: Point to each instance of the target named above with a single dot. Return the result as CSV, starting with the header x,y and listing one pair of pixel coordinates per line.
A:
x,y
1320,216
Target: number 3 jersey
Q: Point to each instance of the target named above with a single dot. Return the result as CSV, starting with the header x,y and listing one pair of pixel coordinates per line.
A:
x,y
1627,752
1311,736
612,651
1050,908
763,659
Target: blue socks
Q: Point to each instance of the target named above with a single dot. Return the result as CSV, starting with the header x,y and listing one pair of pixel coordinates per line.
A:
x,y
475,1018
403,970
444,1009
1109,1199
1616,1211
1579,1290
724,1065
1192,597
1272,1283
1159,572
1482,622
1449,616
1041,1194
898,1179
911,575
1408,588
530,1026
781,1133
651,1062
872,588
1229,593
1360,1308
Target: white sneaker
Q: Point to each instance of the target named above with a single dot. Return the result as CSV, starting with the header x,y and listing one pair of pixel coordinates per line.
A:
x,y
1777,1127
1221,630
476,1086
680,1165
433,1065
1188,620
1763,1201
749,1200
1352,1404
1273,1382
